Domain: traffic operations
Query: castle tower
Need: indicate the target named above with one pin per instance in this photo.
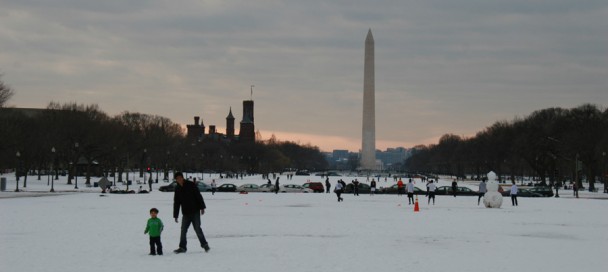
(196, 131)
(247, 131)
(230, 125)
(368, 147)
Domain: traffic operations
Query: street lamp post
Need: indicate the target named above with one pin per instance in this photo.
(114, 166)
(128, 172)
(52, 164)
(221, 164)
(18, 155)
(556, 184)
(604, 172)
(578, 187)
(185, 164)
(48, 175)
(166, 178)
(202, 166)
(76, 167)
(141, 169)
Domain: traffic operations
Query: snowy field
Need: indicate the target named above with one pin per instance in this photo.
(83, 231)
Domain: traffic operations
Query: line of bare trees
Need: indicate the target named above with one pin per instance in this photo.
(6, 92)
(554, 144)
(83, 140)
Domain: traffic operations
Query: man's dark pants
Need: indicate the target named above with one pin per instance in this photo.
(195, 220)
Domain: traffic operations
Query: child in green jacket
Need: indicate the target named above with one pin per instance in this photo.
(154, 227)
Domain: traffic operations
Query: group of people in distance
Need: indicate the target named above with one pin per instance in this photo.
(402, 188)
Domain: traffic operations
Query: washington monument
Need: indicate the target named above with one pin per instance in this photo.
(368, 149)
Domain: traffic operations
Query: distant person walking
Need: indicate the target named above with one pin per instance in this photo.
(372, 189)
(276, 186)
(482, 190)
(327, 185)
(454, 187)
(213, 187)
(431, 187)
(154, 227)
(513, 194)
(410, 192)
(343, 185)
(400, 188)
(188, 197)
(575, 189)
(338, 190)
(356, 187)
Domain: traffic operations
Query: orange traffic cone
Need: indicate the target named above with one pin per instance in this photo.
(416, 207)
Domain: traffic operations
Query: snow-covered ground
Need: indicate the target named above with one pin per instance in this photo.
(83, 231)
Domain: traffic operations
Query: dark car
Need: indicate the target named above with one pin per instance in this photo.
(302, 173)
(227, 187)
(363, 188)
(168, 188)
(462, 191)
(316, 187)
(202, 187)
(545, 191)
(394, 190)
(522, 192)
(526, 192)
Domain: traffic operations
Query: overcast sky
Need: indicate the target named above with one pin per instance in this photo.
(442, 66)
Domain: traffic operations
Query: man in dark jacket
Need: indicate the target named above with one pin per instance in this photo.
(188, 197)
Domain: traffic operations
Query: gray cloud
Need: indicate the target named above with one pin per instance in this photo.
(441, 66)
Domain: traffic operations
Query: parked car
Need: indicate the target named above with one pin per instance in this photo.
(302, 173)
(202, 187)
(328, 174)
(545, 191)
(394, 190)
(526, 192)
(462, 191)
(363, 188)
(249, 187)
(294, 188)
(168, 188)
(521, 192)
(316, 187)
(267, 188)
(226, 187)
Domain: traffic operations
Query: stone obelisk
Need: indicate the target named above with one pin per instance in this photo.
(368, 148)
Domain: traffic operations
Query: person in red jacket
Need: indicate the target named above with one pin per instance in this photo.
(400, 187)
(188, 197)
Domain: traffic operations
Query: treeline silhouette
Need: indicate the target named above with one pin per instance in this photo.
(556, 145)
(72, 137)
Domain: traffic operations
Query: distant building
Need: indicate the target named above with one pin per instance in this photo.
(338, 154)
(196, 131)
(230, 125)
(247, 131)
(341, 159)
(391, 159)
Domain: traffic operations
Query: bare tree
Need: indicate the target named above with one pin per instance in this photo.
(5, 93)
